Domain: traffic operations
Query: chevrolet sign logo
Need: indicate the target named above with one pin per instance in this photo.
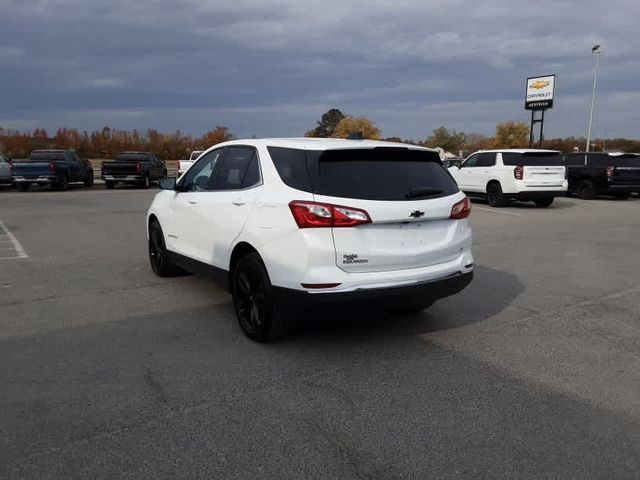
(416, 214)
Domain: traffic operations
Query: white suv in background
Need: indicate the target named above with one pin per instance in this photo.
(302, 223)
(513, 174)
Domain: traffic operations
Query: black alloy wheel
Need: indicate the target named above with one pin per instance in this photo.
(253, 301)
(587, 190)
(544, 202)
(495, 197)
(158, 255)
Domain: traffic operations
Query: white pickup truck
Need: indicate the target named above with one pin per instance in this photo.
(183, 165)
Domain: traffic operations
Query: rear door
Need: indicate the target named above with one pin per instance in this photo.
(408, 195)
(540, 169)
(227, 202)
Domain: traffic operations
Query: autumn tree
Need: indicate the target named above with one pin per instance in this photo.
(213, 137)
(448, 140)
(327, 124)
(511, 135)
(356, 125)
(477, 141)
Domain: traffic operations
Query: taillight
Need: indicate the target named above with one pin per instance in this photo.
(325, 215)
(138, 168)
(461, 210)
(52, 167)
(518, 172)
(610, 170)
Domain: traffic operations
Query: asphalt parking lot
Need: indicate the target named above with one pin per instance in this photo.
(110, 372)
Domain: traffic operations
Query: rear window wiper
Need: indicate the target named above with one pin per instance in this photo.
(423, 192)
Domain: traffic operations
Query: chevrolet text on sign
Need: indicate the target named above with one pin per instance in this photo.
(539, 93)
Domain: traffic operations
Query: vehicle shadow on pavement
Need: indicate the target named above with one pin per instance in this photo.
(558, 204)
(490, 292)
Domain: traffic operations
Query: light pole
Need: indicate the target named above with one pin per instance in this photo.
(597, 50)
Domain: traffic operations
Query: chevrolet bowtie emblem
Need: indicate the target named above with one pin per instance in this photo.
(416, 214)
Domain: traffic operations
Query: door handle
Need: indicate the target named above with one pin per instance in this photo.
(238, 201)
(192, 202)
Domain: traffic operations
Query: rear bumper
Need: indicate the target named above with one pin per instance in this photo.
(538, 194)
(620, 188)
(42, 179)
(415, 294)
(123, 178)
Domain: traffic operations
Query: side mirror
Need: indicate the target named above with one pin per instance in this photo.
(167, 184)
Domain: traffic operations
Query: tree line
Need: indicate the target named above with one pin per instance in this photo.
(106, 143)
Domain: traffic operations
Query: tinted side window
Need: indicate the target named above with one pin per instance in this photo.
(598, 160)
(292, 167)
(239, 170)
(486, 160)
(202, 173)
(575, 159)
(531, 159)
(471, 161)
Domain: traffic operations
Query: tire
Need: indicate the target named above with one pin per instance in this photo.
(586, 190)
(544, 202)
(89, 181)
(158, 254)
(61, 184)
(24, 187)
(146, 182)
(495, 197)
(254, 303)
(110, 185)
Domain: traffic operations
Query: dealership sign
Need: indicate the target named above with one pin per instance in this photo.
(539, 95)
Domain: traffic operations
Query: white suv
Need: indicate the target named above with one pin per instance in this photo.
(513, 174)
(299, 223)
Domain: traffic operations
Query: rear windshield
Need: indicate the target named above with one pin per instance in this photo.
(368, 174)
(46, 156)
(533, 159)
(133, 157)
(605, 160)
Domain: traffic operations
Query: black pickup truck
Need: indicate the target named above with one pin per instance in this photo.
(56, 168)
(600, 173)
(137, 168)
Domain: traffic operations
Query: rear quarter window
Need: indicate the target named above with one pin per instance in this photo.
(605, 160)
(291, 165)
(551, 159)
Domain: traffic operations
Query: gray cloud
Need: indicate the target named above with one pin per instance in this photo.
(272, 67)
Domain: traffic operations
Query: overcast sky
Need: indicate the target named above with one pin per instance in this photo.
(272, 67)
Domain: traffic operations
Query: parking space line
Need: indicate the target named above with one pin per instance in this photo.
(17, 250)
(492, 210)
